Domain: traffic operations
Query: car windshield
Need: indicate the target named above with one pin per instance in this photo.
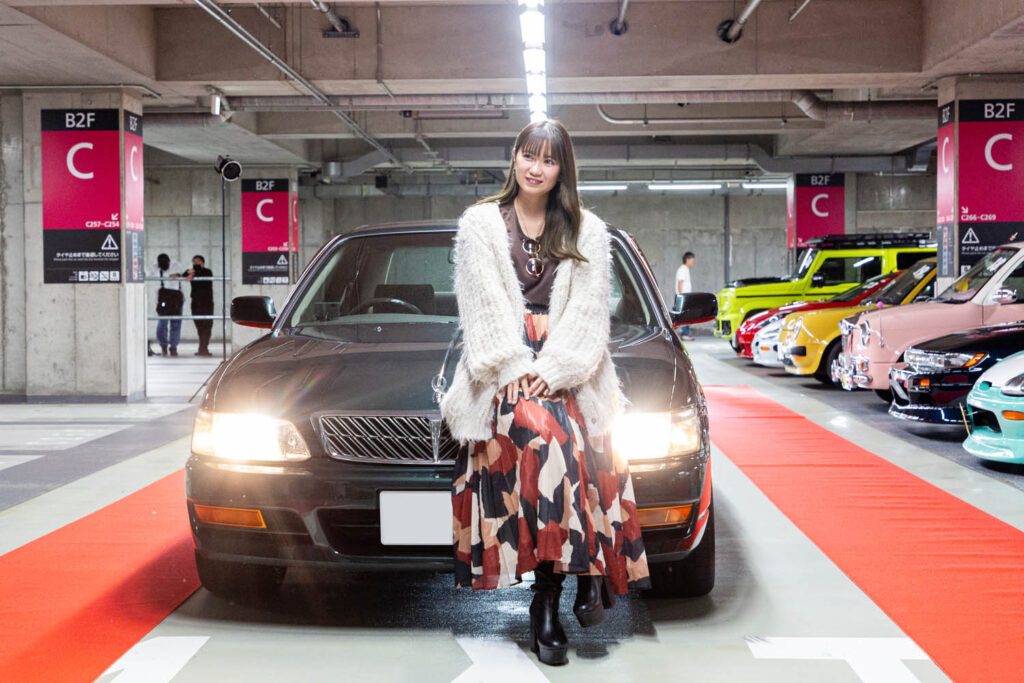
(964, 288)
(803, 263)
(856, 292)
(896, 291)
(407, 278)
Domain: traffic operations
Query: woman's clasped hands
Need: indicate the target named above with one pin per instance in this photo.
(528, 385)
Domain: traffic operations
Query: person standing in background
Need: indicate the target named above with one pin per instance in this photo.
(202, 301)
(684, 285)
(168, 331)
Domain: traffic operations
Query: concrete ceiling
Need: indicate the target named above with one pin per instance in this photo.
(425, 79)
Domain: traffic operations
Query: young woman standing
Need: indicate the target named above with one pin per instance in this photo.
(537, 487)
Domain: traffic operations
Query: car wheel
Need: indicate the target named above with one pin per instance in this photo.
(884, 394)
(824, 372)
(692, 576)
(239, 582)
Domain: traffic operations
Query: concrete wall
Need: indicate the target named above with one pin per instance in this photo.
(13, 369)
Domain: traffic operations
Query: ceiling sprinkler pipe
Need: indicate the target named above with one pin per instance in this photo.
(731, 30)
(331, 16)
(619, 25)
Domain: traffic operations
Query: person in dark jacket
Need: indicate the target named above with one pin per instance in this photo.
(202, 301)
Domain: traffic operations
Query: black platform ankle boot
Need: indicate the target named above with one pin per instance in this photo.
(593, 596)
(547, 637)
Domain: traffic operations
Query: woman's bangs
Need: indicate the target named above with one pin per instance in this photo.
(537, 139)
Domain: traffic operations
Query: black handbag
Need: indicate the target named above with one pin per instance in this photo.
(169, 301)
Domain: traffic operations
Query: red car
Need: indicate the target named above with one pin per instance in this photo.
(851, 297)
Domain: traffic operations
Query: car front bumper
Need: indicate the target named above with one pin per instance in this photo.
(938, 398)
(993, 437)
(325, 512)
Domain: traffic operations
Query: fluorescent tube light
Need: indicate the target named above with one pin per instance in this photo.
(533, 60)
(538, 103)
(536, 84)
(683, 187)
(538, 116)
(765, 186)
(532, 24)
(532, 4)
(597, 187)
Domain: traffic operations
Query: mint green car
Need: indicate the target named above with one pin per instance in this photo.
(996, 412)
(827, 267)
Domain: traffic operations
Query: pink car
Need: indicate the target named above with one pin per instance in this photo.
(991, 292)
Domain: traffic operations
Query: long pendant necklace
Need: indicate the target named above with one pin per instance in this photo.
(534, 264)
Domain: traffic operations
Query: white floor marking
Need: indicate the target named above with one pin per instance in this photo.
(157, 660)
(874, 660)
(497, 661)
(12, 460)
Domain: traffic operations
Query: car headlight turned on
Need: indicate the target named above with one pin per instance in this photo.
(247, 437)
(650, 436)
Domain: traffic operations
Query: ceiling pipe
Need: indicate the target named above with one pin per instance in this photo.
(736, 120)
(330, 15)
(229, 23)
(731, 30)
(619, 25)
(814, 107)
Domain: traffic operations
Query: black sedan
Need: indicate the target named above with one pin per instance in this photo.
(939, 373)
(321, 443)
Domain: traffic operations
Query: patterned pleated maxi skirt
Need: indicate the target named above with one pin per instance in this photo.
(541, 490)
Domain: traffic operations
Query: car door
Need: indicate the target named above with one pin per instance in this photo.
(994, 313)
(839, 273)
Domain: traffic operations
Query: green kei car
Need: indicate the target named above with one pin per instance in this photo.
(995, 409)
(826, 267)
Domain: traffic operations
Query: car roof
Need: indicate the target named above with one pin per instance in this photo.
(442, 225)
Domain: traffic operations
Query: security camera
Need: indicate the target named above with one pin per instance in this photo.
(229, 169)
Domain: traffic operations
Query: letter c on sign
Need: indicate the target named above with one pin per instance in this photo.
(942, 153)
(131, 164)
(988, 152)
(259, 210)
(814, 205)
(71, 161)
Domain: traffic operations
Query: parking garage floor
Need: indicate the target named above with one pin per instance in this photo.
(797, 596)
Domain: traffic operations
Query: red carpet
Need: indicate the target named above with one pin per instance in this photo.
(75, 600)
(950, 575)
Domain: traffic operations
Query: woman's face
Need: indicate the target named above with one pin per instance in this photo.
(536, 173)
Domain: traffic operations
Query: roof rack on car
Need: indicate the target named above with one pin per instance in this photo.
(879, 239)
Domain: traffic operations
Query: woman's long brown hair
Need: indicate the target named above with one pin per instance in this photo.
(564, 213)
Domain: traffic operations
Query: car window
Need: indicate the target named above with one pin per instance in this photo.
(1015, 282)
(627, 305)
(837, 270)
(369, 277)
(803, 263)
(967, 285)
(408, 277)
(857, 292)
(905, 259)
(896, 291)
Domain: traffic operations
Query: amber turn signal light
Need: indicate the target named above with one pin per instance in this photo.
(1013, 415)
(677, 514)
(210, 514)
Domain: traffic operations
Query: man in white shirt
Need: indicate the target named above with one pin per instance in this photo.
(684, 285)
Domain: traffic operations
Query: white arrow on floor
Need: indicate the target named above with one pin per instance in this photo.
(874, 660)
(497, 661)
(157, 660)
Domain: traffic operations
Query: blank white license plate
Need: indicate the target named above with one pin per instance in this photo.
(415, 518)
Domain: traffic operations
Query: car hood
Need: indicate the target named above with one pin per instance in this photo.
(747, 281)
(997, 340)
(295, 376)
(1002, 372)
(920, 321)
(822, 323)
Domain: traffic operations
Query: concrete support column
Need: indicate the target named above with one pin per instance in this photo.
(980, 174)
(70, 339)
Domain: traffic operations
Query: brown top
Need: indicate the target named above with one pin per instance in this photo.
(536, 275)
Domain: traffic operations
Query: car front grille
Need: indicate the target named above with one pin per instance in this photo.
(398, 439)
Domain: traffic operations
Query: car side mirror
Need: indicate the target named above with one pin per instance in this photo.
(693, 308)
(817, 280)
(253, 311)
(1005, 296)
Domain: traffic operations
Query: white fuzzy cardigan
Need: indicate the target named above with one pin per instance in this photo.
(575, 355)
